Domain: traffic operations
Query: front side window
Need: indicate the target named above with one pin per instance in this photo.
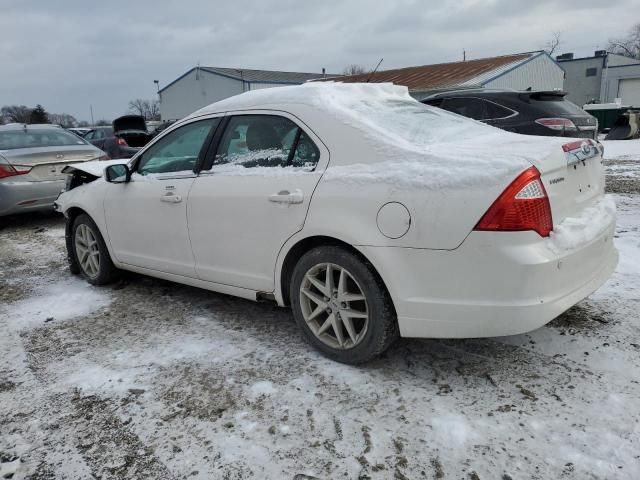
(265, 141)
(177, 151)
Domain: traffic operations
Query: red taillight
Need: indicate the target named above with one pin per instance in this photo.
(524, 205)
(556, 123)
(122, 142)
(7, 170)
(577, 145)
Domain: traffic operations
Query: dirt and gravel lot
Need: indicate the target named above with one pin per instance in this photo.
(150, 379)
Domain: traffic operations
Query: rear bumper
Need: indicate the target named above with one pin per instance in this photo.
(19, 197)
(494, 284)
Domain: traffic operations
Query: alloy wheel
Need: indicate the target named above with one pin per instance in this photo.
(334, 306)
(87, 250)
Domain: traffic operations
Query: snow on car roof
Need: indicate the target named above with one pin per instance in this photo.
(413, 145)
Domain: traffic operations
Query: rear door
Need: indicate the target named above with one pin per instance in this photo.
(253, 197)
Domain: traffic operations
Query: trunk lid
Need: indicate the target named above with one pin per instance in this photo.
(128, 123)
(572, 174)
(47, 163)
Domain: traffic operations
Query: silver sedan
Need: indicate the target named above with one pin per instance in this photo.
(31, 161)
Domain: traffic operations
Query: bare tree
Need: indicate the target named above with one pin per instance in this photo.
(154, 110)
(149, 109)
(628, 46)
(138, 106)
(16, 113)
(554, 44)
(65, 120)
(354, 69)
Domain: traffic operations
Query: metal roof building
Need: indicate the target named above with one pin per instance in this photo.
(201, 86)
(520, 71)
(601, 78)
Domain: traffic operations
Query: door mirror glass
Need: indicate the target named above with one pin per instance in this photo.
(117, 173)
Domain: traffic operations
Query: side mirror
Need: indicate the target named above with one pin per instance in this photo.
(118, 173)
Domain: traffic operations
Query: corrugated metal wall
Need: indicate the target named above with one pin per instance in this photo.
(260, 85)
(194, 91)
(613, 84)
(540, 73)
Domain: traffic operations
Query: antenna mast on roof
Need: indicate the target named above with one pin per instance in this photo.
(374, 71)
(464, 55)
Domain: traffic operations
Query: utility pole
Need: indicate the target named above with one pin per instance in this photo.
(91, 108)
(464, 55)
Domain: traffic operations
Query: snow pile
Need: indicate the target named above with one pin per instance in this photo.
(417, 174)
(574, 232)
(234, 169)
(414, 144)
(621, 149)
(262, 388)
(67, 299)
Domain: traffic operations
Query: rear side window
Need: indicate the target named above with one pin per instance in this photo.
(495, 111)
(265, 141)
(467, 107)
(436, 102)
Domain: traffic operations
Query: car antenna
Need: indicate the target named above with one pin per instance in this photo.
(374, 71)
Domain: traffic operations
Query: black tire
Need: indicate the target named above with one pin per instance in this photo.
(107, 272)
(382, 328)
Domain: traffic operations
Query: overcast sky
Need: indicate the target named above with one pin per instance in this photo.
(70, 54)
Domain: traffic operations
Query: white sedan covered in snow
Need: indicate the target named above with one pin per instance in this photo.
(371, 214)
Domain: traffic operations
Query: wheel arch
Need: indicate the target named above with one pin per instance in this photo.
(302, 246)
(74, 212)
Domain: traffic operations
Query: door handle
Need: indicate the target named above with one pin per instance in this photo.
(285, 196)
(171, 198)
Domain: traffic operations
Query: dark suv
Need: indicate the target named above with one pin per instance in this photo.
(531, 113)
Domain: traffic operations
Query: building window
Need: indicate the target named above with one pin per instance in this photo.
(592, 72)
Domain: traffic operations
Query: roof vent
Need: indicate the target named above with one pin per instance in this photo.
(600, 53)
(565, 56)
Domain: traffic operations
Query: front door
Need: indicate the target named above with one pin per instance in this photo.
(147, 217)
(244, 207)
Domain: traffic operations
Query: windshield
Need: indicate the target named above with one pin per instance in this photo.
(37, 138)
(556, 105)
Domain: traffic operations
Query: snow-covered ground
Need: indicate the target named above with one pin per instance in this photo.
(149, 379)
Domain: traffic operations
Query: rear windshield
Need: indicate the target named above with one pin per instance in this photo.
(35, 138)
(556, 105)
(413, 124)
